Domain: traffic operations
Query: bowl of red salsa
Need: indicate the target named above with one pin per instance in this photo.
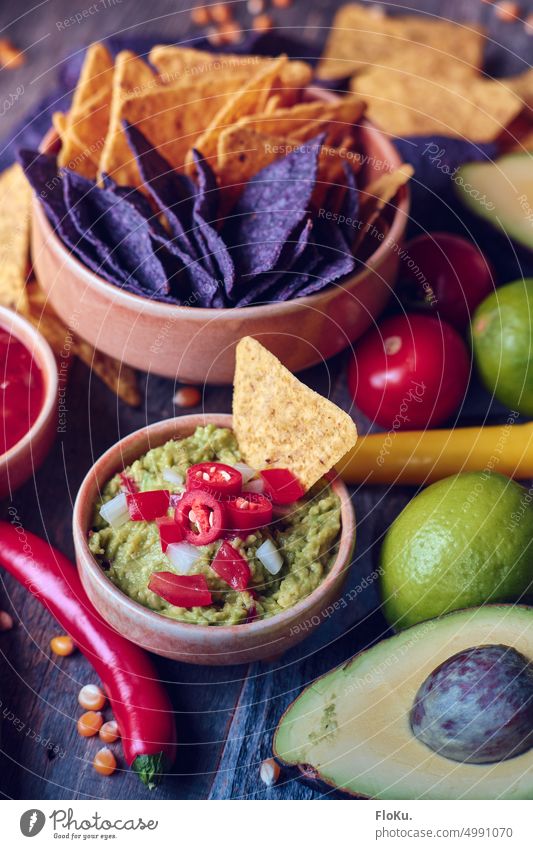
(28, 396)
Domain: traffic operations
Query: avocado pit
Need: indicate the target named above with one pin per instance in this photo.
(477, 706)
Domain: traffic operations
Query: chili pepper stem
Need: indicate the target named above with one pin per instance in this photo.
(150, 768)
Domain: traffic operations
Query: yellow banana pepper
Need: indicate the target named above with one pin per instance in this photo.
(418, 457)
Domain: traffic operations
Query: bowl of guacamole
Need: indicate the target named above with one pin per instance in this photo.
(185, 549)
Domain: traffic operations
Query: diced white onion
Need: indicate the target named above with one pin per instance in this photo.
(257, 485)
(182, 555)
(115, 511)
(270, 557)
(170, 476)
(246, 471)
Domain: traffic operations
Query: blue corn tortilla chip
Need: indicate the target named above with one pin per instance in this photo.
(204, 213)
(120, 227)
(271, 205)
(337, 260)
(201, 288)
(173, 193)
(265, 287)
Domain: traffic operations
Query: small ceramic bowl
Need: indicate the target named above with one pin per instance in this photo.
(23, 459)
(208, 645)
(197, 345)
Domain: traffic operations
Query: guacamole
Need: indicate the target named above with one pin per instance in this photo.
(306, 536)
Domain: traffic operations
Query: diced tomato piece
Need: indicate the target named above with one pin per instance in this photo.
(217, 478)
(169, 531)
(201, 517)
(181, 590)
(230, 565)
(148, 506)
(282, 486)
(248, 511)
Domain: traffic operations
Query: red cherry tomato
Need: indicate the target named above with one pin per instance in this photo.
(181, 590)
(282, 486)
(409, 372)
(230, 565)
(446, 274)
(148, 506)
(248, 511)
(217, 478)
(201, 517)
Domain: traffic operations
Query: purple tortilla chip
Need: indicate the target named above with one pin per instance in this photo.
(172, 192)
(190, 283)
(117, 225)
(204, 213)
(338, 260)
(271, 205)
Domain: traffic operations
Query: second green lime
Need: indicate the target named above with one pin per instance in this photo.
(502, 339)
(463, 541)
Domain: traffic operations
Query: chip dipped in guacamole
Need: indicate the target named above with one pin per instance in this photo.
(209, 531)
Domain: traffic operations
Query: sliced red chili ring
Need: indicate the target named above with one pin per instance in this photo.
(181, 590)
(248, 511)
(148, 506)
(217, 478)
(169, 531)
(230, 565)
(202, 517)
(282, 486)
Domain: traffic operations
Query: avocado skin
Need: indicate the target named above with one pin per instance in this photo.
(502, 340)
(477, 706)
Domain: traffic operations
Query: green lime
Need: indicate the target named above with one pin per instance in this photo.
(461, 542)
(502, 340)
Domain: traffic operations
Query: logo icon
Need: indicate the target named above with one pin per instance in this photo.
(32, 822)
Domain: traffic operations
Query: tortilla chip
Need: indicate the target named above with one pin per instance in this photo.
(521, 85)
(242, 152)
(430, 47)
(248, 100)
(15, 214)
(306, 120)
(88, 119)
(377, 195)
(132, 78)
(174, 63)
(280, 422)
(405, 105)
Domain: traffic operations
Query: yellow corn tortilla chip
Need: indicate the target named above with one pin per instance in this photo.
(522, 86)
(306, 120)
(405, 105)
(174, 63)
(15, 213)
(87, 122)
(132, 78)
(248, 100)
(121, 379)
(428, 46)
(280, 422)
(377, 195)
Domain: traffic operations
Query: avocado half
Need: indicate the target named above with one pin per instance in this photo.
(351, 728)
(501, 192)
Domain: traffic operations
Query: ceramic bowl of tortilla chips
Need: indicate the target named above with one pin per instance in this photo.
(212, 645)
(196, 344)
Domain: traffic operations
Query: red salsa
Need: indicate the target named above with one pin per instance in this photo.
(21, 390)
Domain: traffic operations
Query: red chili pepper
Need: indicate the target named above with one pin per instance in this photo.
(230, 565)
(217, 478)
(181, 590)
(282, 486)
(127, 484)
(139, 701)
(169, 531)
(148, 506)
(202, 518)
(248, 511)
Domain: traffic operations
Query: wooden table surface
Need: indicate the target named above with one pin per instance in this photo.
(225, 716)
